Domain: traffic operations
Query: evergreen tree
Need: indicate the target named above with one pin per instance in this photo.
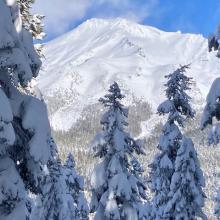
(18, 64)
(117, 186)
(75, 184)
(213, 41)
(61, 191)
(31, 22)
(28, 160)
(13, 198)
(217, 205)
(186, 197)
(177, 107)
(57, 201)
(212, 111)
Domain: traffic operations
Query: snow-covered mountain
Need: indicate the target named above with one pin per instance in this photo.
(80, 65)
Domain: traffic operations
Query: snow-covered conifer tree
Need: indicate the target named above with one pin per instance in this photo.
(18, 64)
(217, 205)
(57, 200)
(31, 22)
(14, 202)
(26, 146)
(75, 184)
(186, 197)
(117, 186)
(177, 107)
(213, 43)
(212, 111)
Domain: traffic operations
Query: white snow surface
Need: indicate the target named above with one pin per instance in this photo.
(5, 110)
(80, 65)
(35, 120)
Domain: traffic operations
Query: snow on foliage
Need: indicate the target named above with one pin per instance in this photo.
(7, 135)
(31, 22)
(186, 197)
(57, 201)
(39, 127)
(16, 46)
(29, 165)
(118, 190)
(213, 42)
(75, 184)
(177, 107)
(13, 198)
(211, 111)
(217, 205)
(62, 195)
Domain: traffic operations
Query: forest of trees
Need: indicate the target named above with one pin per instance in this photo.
(35, 184)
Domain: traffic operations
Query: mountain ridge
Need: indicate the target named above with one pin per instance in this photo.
(80, 65)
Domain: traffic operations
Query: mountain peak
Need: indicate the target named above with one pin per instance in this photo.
(120, 24)
(80, 65)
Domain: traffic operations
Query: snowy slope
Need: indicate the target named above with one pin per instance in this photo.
(81, 64)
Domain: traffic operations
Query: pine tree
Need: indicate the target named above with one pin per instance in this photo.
(212, 111)
(18, 64)
(117, 186)
(186, 197)
(75, 184)
(31, 22)
(14, 202)
(57, 201)
(213, 42)
(217, 205)
(27, 150)
(177, 107)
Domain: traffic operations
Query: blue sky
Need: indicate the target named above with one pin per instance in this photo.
(191, 16)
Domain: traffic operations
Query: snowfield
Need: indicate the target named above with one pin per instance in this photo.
(80, 65)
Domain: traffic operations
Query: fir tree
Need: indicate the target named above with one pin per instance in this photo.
(177, 107)
(211, 112)
(57, 201)
(14, 202)
(213, 42)
(117, 186)
(75, 184)
(186, 197)
(18, 64)
(31, 22)
(27, 150)
(217, 205)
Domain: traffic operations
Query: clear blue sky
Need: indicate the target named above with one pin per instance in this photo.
(193, 16)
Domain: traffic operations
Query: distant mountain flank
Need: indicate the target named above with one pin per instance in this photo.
(81, 64)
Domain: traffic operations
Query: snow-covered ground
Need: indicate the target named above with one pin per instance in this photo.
(80, 65)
